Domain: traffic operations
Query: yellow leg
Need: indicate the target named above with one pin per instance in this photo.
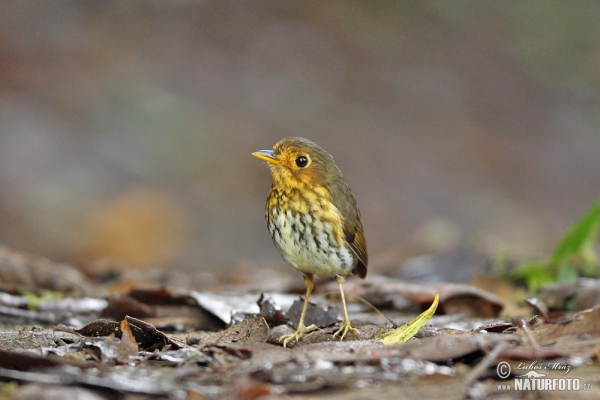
(302, 329)
(346, 327)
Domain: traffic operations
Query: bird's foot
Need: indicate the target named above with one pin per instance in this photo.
(346, 327)
(301, 330)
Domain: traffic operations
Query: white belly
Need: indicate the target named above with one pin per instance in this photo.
(308, 250)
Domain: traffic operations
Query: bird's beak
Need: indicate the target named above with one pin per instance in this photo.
(266, 155)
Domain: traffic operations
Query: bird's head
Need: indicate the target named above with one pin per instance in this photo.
(295, 161)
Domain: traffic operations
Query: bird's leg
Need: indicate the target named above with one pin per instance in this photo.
(302, 329)
(346, 327)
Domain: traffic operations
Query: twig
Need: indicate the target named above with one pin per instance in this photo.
(476, 372)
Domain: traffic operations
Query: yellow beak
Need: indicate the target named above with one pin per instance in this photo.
(266, 155)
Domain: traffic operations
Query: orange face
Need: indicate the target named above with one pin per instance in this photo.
(292, 164)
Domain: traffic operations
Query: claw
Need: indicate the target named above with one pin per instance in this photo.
(300, 332)
(346, 327)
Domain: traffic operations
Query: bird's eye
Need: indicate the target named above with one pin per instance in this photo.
(301, 161)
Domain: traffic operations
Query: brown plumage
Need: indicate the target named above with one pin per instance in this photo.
(313, 219)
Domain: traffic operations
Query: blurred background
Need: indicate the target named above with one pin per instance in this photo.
(127, 127)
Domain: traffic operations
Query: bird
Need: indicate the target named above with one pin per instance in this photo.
(314, 221)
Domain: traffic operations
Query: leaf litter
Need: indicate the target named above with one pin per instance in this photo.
(159, 342)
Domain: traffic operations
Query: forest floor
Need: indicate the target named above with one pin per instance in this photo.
(63, 336)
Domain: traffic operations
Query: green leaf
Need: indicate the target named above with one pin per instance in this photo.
(580, 239)
(535, 275)
(33, 300)
(574, 255)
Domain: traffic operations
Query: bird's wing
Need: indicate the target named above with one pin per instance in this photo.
(344, 201)
(359, 247)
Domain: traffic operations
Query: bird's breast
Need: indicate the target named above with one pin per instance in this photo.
(307, 230)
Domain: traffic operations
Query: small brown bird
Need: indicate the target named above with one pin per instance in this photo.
(313, 219)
